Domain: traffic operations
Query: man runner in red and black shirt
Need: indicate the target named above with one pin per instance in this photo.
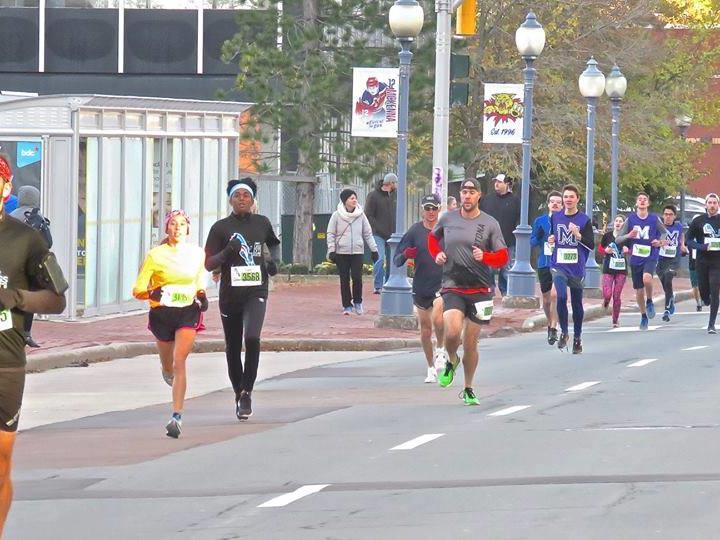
(473, 247)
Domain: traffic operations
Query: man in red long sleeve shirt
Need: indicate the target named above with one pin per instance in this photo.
(473, 247)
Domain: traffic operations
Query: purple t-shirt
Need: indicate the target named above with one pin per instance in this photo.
(569, 255)
(641, 249)
(672, 250)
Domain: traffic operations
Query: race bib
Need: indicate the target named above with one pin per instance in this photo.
(245, 276)
(668, 251)
(567, 255)
(548, 249)
(5, 320)
(641, 250)
(484, 310)
(617, 263)
(713, 244)
(177, 295)
(694, 253)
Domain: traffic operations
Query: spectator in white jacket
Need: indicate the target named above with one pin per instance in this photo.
(347, 233)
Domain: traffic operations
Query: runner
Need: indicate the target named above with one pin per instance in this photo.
(692, 258)
(669, 257)
(540, 233)
(235, 246)
(172, 278)
(614, 269)
(473, 247)
(25, 263)
(704, 236)
(426, 284)
(642, 234)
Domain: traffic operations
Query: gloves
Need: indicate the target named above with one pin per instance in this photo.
(9, 298)
(271, 268)
(410, 253)
(155, 294)
(331, 257)
(375, 256)
(202, 301)
(233, 246)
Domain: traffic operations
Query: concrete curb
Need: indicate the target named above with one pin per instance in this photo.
(595, 312)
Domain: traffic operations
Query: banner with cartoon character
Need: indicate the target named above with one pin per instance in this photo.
(503, 114)
(375, 102)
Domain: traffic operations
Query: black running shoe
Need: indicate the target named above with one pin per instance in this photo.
(698, 308)
(30, 342)
(563, 341)
(173, 428)
(244, 405)
(552, 336)
(577, 345)
(666, 316)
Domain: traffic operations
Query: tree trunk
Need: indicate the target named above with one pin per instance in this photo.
(303, 233)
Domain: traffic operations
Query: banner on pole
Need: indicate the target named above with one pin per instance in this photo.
(503, 114)
(375, 102)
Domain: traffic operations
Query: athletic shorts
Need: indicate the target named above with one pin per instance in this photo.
(164, 321)
(12, 384)
(693, 279)
(637, 271)
(545, 279)
(425, 302)
(465, 303)
(667, 264)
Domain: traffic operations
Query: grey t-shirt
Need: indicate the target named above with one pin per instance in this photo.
(459, 235)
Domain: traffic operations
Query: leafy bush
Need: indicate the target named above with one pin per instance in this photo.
(297, 269)
(325, 268)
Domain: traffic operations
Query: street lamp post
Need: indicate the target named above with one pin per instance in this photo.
(615, 86)
(683, 123)
(592, 86)
(530, 41)
(406, 21)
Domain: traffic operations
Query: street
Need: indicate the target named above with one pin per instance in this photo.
(619, 442)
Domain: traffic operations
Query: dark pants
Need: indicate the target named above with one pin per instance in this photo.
(562, 284)
(28, 323)
(666, 273)
(709, 286)
(350, 266)
(247, 322)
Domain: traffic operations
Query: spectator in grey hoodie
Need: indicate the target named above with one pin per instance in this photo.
(380, 208)
(347, 233)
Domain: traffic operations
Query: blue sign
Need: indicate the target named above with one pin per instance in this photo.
(28, 153)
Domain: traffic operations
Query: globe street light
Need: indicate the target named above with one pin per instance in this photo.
(615, 86)
(683, 122)
(592, 86)
(406, 21)
(530, 41)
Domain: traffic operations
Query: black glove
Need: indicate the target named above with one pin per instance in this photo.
(374, 256)
(9, 298)
(271, 268)
(331, 257)
(155, 294)
(233, 246)
(202, 301)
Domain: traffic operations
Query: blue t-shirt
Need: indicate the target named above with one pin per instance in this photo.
(540, 233)
(570, 255)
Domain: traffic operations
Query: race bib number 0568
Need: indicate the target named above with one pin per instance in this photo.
(5, 320)
(246, 276)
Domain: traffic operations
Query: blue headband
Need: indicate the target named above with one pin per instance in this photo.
(241, 186)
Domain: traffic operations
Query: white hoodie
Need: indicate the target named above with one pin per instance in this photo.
(346, 232)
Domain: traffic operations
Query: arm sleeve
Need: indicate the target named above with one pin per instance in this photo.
(41, 302)
(367, 234)
(214, 256)
(434, 246)
(663, 229)
(370, 209)
(605, 240)
(692, 235)
(496, 259)
(588, 236)
(622, 236)
(537, 234)
(201, 278)
(405, 242)
(275, 253)
(331, 233)
(140, 289)
(271, 238)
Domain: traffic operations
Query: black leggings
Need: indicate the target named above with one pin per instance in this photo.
(709, 285)
(350, 265)
(666, 276)
(246, 320)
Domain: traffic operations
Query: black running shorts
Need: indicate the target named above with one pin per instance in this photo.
(12, 384)
(425, 302)
(465, 303)
(637, 271)
(545, 279)
(165, 321)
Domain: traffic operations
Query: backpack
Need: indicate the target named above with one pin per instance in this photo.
(35, 220)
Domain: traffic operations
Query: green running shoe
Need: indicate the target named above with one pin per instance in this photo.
(446, 376)
(468, 396)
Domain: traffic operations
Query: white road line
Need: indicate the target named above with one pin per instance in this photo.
(631, 329)
(696, 348)
(509, 410)
(643, 363)
(417, 441)
(299, 493)
(582, 386)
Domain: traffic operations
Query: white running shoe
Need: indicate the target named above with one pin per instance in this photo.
(440, 359)
(431, 375)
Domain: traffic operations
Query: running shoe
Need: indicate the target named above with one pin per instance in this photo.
(698, 308)
(552, 336)
(577, 345)
(431, 375)
(711, 329)
(359, 309)
(439, 359)
(650, 307)
(244, 405)
(562, 342)
(644, 322)
(671, 307)
(606, 303)
(168, 378)
(30, 342)
(377, 291)
(445, 378)
(347, 311)
(173, 428)
(666, 316)
(616, 324)
(468, 396)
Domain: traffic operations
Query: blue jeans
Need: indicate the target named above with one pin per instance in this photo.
(380, 271)
(502, 273)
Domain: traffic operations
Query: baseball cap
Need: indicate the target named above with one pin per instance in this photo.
(430, 200)
(500, 177)
(471, 183)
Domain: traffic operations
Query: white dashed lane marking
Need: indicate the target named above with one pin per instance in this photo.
(643, 363)
(417, 441)
(299, 493)
(509, 410)
(696, 348)
(582, 386)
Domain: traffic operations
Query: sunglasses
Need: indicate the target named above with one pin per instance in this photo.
(430, 208)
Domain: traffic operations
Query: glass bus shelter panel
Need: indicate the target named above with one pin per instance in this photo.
(132, 234)
(109, 220)
(210, 186)
(192, 186)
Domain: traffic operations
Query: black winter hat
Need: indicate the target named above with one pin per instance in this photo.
(345, 194)
(247, 181)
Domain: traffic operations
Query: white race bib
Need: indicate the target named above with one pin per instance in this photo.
(548, 248)
(177, 295)
(617, 263)
(694, 253)
(5, 320)
(567, 255)
(668, 251)
(641, 250)
(484, 310)
(713, 244)
(245, 276)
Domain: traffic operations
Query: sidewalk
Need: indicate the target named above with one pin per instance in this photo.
(300, 316)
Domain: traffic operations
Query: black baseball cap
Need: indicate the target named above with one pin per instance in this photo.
(430, 200)
(471, 183)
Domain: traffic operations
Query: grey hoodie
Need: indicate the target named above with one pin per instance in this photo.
(28, 198)
(347, 231)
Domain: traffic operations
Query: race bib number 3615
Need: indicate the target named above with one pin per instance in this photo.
(246, 276)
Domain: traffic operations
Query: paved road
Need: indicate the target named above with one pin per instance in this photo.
(621, 442)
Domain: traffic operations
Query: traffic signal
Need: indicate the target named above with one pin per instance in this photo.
(459, 69)
(466, 22)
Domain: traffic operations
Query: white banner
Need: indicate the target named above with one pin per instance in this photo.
(503, 114)
(375, 102)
